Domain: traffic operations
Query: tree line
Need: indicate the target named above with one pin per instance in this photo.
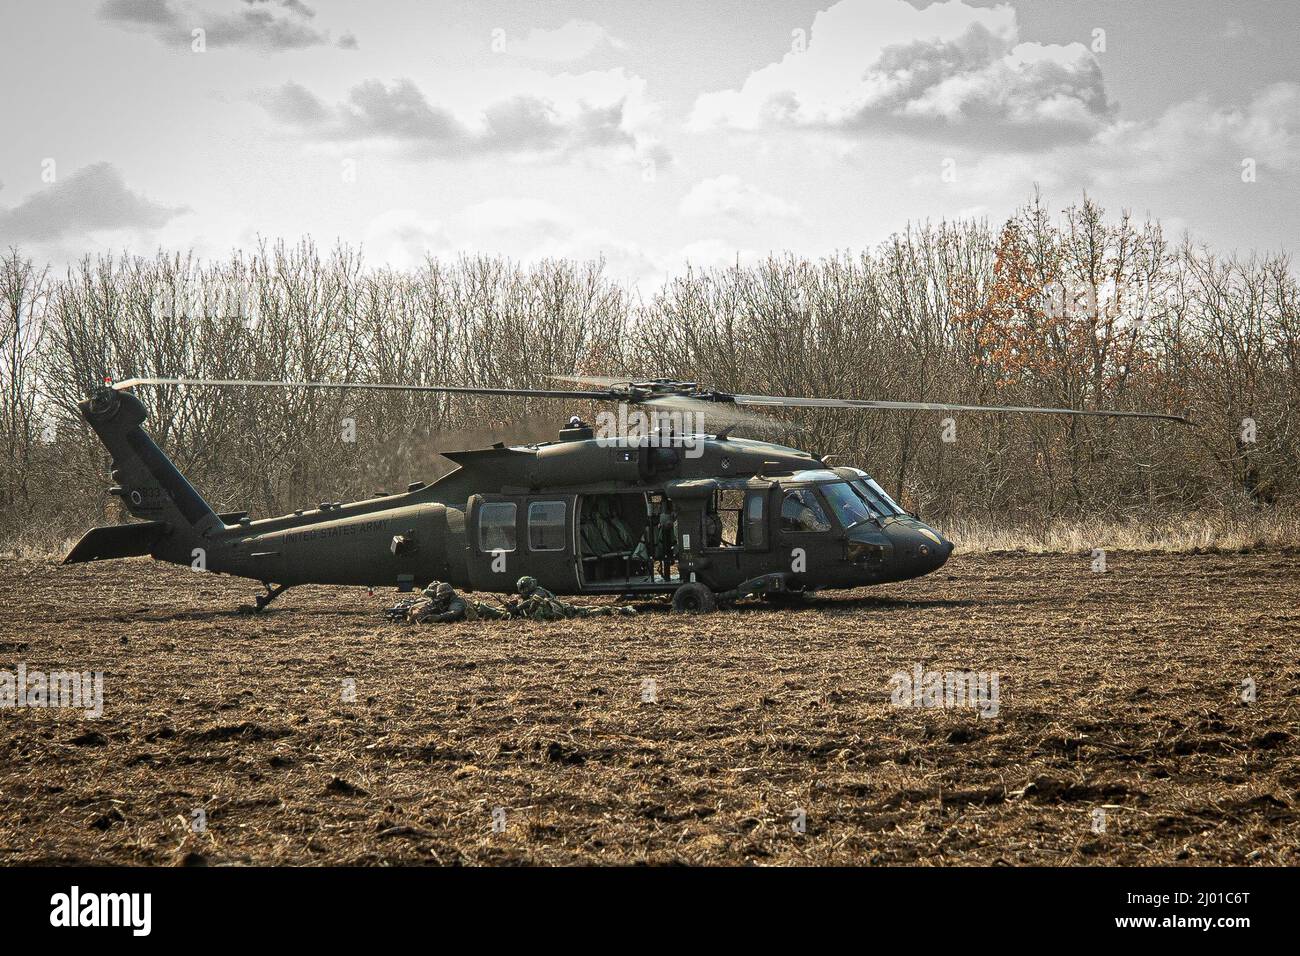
(1077, 309)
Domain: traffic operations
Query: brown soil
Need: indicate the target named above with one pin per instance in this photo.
(1119, 691)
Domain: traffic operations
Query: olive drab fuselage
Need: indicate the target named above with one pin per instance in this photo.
(580, 514)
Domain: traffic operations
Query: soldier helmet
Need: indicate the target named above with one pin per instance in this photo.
(526, 584)
(432, 589)
(443, 589)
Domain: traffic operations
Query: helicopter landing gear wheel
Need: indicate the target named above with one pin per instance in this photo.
(694, 598)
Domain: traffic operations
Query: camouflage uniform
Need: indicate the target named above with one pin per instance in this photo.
(538, 604)
(481, 611)
(440, 604)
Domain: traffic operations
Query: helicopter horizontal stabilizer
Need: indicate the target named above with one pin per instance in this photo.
(477, 454)
(117, 541)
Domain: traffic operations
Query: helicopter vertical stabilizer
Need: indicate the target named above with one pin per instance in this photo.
(149, 485)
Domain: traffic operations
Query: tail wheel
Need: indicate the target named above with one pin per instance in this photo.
(694, 598)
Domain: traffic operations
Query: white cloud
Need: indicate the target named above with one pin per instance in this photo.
(946, 67)
(1194, 133)
(522, 228)
(522, 216)
(541, 116)
(402, 239)
(251, 23)
(572, 41)
(1194, 141)
(528, 230)
(93, 199)
(728, 197)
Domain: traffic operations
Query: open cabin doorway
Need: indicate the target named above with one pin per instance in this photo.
(627, 540)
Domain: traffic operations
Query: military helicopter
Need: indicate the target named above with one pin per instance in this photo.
(616, 509)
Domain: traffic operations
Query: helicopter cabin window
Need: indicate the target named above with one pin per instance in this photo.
(801, 511)
(755, 527)
(722, 524)
(496, 526)
(546, 526)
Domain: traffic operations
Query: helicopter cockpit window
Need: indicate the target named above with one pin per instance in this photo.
(496, 526)
(801, 511)
(875, 496)
(850, 509)
(898, 509)
(546, 526)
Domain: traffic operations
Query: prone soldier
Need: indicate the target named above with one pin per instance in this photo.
(539, 604)
(440, 604)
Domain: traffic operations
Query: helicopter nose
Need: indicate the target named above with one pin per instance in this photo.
(919, 548)
(940, 549)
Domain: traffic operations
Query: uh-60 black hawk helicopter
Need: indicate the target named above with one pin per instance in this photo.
(705, 517)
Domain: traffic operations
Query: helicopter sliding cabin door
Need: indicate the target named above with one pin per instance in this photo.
(515, 535)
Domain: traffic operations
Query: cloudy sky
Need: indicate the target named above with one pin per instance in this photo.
(652, 133)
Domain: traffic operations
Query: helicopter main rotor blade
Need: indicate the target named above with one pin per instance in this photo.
(724, 412)
(666, 394)
(708, 409)
(605, 380)
(376, 386)
(785, 401)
